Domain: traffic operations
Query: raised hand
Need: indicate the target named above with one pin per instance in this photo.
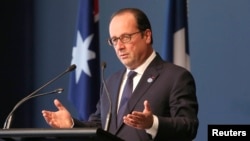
(58, 119)
(140, 120)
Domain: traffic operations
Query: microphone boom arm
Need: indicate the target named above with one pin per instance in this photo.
(9, 117)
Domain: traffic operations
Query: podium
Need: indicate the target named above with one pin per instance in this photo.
(55, 134)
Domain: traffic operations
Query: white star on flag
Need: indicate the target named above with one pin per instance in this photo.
(81, 55)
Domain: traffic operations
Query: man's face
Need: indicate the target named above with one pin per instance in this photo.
(134, 52)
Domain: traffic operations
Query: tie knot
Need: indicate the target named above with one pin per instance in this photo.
(131, 74)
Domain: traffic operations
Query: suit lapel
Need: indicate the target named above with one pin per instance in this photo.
(148, 78)
(114, 99)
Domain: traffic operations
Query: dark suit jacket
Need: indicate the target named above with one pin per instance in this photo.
(171, 95)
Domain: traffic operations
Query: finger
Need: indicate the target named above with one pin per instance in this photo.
(59, 105)
(134, 118)
(137, 117)
(47, 118)
(135, 113)
(132, 123)
(45, 113)
(52, 124)
(129, 121)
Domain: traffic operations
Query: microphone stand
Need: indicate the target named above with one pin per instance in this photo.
(9, 117)
(8, 120)
(109, 100)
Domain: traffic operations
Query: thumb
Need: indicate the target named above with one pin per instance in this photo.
(59, 105)
(147, 107)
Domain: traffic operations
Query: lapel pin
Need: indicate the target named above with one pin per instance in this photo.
(150, 80)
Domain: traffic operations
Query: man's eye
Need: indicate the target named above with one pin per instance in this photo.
(114, 39)
(125, 36)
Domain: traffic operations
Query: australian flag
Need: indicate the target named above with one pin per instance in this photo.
(85, 80)
(176, 46)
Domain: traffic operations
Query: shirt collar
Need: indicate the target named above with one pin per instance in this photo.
(140, 70)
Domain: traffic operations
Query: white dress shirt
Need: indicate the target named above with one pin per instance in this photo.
(140, 70)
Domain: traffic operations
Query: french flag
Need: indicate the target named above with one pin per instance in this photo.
(176, 46)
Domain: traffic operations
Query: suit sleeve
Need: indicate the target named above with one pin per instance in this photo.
(93, 121)
(183, 122)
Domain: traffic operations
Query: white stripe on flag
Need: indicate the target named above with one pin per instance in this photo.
(181, 57)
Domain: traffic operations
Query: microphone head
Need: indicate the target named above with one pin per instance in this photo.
(104, 65)
(59, 90)
(71, 68)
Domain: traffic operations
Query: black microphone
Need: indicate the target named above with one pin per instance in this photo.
(69, 69)
(108, 95)
(8, 120)
(57, 91)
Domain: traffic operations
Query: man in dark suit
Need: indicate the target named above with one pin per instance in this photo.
(163, 105)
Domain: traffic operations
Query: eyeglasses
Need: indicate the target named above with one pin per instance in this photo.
(125, 38)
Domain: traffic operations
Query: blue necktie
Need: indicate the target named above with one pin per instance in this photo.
(127, 92)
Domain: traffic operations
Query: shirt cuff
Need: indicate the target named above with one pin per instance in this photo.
(154, 128)
(72, 123)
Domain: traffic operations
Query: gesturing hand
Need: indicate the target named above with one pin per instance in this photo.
(140, 120)
(60, 118)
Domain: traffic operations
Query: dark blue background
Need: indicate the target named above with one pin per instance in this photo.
(219, 40)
